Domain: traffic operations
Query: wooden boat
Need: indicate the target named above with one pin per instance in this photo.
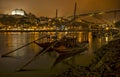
(44, 45)
(66, 50)
(65, 55)
(47, 44)
(64, 45)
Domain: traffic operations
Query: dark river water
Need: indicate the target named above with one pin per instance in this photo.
(42, 66)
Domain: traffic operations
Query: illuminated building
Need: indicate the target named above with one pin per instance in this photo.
(18, 12)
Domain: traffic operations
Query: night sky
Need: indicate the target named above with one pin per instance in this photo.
(65, 7)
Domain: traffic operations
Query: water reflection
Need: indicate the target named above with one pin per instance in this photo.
(13, 40)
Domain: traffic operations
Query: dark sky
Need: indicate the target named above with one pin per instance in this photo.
(65, 7)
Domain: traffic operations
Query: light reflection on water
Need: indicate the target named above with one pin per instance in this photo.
(12, 40)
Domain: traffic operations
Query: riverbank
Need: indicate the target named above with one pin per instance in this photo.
(105, 64)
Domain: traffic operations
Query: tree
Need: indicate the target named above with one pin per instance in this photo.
(117, 24)
(8, 20)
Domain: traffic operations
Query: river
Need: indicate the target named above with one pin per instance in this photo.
(42, 66)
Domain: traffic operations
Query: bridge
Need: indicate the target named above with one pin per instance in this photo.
(87, 30)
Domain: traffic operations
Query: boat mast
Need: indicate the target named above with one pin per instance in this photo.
(56, 13)
(75, 10)
(56, 33)
(74, 42)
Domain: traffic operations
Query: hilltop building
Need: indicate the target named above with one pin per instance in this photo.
(20, 12)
